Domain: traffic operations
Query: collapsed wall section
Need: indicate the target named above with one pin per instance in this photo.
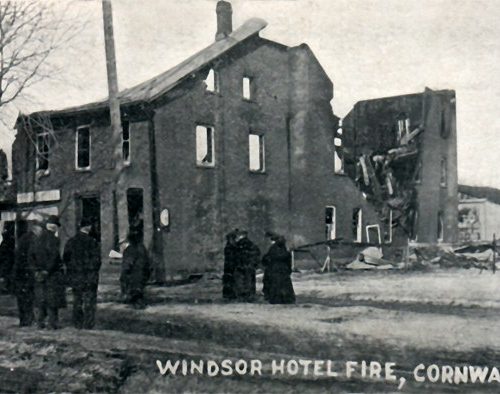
(401, 152)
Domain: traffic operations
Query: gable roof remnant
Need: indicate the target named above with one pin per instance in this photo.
(166, 81)
(489, 193)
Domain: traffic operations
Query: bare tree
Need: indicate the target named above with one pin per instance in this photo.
(30, 32)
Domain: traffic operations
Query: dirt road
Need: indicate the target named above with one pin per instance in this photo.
(444, 318)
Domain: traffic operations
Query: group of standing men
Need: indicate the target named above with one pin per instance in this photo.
(241, 260)
(40, 275)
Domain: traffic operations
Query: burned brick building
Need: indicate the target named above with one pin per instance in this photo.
(238, 135)
(402, 153)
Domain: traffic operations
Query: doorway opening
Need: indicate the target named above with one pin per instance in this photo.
(90, 208)
(135, 209)
(373, 234)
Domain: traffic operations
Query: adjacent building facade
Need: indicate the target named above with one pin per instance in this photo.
(402, 153)
(478, 214)
(237, 136)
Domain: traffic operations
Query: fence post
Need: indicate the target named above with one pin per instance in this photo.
(494, 244)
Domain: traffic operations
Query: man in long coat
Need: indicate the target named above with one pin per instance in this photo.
(229, 264)
(246, 258)
(7, 257)
(22, 275)
(277, 262)
(135, 270)
(82, 258)
(46, 264)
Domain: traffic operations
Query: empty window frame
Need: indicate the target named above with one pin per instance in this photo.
(82, 150)
(418, 172)
(373, 234)
(212, 81)
(388, 228)
(256, 152)
(205, 153)
(414, 227)
(444, 171)
(126, 141)
(42, 149)
(440, 227)
(338, 158)
(247, 86)
(403, 127)
(445, 129)
(330, 222)
(357, 224)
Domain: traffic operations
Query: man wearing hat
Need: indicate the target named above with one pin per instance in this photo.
(83, 260)
(135, 270)
(246, 260)
(22, 275)
(228, 292)
(7, 258)
(46, 264)
(277, 262)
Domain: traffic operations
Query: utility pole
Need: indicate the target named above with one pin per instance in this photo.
(115, 116)
(114, 108)
(114, 104)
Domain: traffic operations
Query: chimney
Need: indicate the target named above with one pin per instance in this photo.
(224, 19)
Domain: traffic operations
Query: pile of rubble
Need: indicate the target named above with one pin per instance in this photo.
(425, 257)
(387, 177)
(481, 256)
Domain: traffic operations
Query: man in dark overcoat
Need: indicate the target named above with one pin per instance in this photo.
(135, 270)
(229, 264)
(47, 267)
(7, 257)
(277, 262)
(22, 275)
(246, 257)
(82, 258)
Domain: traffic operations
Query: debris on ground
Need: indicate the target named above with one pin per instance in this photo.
(481, 256)
(369, 258)
(429, 256)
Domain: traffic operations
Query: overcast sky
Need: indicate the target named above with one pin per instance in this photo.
(368, 48)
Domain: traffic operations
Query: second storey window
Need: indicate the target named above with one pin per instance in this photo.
(444, 171)
(445, 129)
(42, 150)
(82, 159)
(205, 146)
(126, 141)
(256, 152)
(403, 128)
(338, 160)
(212, 81)
(247, 88)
